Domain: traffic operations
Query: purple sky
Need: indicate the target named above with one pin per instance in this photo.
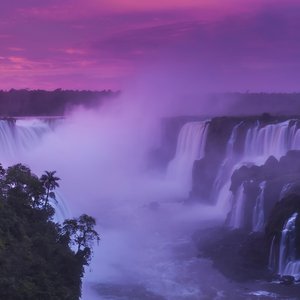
(101, 44)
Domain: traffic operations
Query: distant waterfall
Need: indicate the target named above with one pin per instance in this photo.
(237, 214)
(287, 263)
(190, 147)
(21, 135)
(18, 136)
(258, 218)
(262, 142)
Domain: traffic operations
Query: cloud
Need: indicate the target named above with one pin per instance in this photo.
(98, 37)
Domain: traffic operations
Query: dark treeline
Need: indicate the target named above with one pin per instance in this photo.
(258, 103)
(25, 102)
(15, 103)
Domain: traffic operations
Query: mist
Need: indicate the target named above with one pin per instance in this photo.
(102, 157)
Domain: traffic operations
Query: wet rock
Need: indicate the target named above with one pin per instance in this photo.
(287, 280)
(235, 253)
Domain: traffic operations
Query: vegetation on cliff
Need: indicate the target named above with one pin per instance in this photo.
(39, 259)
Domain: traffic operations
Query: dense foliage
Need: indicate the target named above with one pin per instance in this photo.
(37, 259)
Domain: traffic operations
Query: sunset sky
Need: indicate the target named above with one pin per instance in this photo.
(103, 44)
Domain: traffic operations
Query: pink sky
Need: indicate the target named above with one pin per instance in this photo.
(103, 44)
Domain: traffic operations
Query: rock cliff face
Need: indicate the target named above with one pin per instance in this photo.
(279, 178)
(171, 127)
(265, 238)
(251, 164)
(205, 170)
(251, 138)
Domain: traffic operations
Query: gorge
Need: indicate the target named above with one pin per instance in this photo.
(241, 172)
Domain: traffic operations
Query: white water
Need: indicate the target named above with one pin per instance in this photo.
(190, 147)
(272, 256)
(222, 183)
(21, 136)
(145, 251)
(260, 143)
(285, 190)
(237, 213)
(288, 265)
(258, 219)
(17, 137)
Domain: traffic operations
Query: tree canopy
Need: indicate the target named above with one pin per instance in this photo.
(38, 259)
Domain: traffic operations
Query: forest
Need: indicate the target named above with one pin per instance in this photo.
(16, 103)
(39, 258)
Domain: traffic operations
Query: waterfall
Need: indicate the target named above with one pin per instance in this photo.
(287, 263)
(7, 141)
(272, 256)
(262, 142)
(225, 171)
(190, 147)
(20, 135)
(237, 214)
(286, 190)
(258, 217)
(62, 211)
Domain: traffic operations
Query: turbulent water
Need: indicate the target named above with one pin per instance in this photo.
(146, 250)
(237, 212)
(260, 143)
(190, 147)
(288, 264)
(258, 219)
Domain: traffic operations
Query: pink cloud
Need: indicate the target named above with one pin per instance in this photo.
(92, 43)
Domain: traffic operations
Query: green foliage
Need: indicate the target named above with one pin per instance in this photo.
(50, 183)
(36, 261)
(80, 233)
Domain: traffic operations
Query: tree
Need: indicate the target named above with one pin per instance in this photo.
(36, 259)
(50, 182)
(17, 182)
(81, 234)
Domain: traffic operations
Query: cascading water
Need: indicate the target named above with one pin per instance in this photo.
(190, 147)
(258, 219)
(237, 213)
(286, 189)
(287, 262)
(18, 136)
(62, 211)
(273, 139)
(272, 256)
(260, 143)
(221, 184)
